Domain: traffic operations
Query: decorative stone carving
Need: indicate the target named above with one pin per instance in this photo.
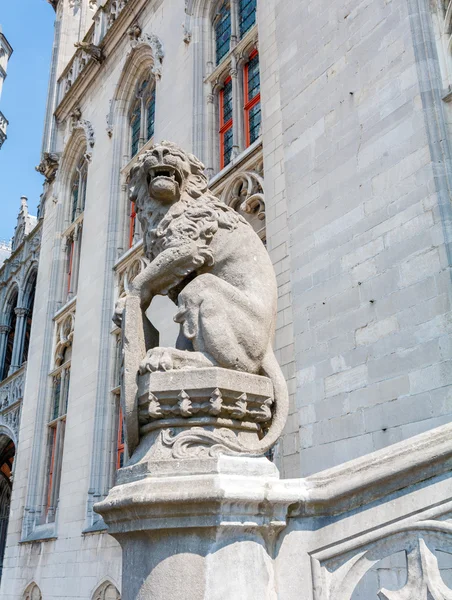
(76, 122)
(245, 194)
(340, 574)
(32, 592)
(64, 335)
(424, 578)
(12, 391)
(212, 398)
(137, 38)
(92, 50)
(49, 165)
(12, 420)
(205, 256)
(106, 591)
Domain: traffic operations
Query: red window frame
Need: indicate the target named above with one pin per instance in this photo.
(249, 102)
(224, 127)
(120, 442)
(133, 216)
(51, 469)
(69, 271)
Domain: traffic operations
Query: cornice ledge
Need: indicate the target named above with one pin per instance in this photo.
(366, 479)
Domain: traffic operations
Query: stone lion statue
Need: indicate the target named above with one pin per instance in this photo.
(212, 264)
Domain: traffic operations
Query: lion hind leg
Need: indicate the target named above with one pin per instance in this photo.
(223, 323)
(168, 359)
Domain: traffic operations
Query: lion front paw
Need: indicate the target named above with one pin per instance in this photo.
(157, 359)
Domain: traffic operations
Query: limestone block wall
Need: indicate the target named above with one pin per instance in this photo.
(370, 280)
(288, 450)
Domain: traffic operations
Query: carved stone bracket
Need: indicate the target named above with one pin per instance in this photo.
(76, 122)
(64, 335)
(49, 165)
(137, 38)
(95, 52)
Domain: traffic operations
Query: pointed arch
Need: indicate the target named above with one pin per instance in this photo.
(106, 591)
(32, 592)
(8, 329)
(76, 148)
(28, 300)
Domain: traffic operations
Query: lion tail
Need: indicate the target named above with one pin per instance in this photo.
(272, 370)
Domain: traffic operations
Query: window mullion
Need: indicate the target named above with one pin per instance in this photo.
(142, 122)
(235, 33)
(236, 109)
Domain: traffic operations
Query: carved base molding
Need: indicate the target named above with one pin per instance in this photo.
(209, 527)
(196, 413)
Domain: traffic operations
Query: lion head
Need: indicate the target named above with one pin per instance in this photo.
(164, 174)
(173, 201)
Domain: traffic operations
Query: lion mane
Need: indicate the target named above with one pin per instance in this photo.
(196, 216)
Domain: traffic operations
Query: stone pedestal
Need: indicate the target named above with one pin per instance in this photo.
(193, 522)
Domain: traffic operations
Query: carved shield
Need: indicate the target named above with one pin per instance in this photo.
(138, 336)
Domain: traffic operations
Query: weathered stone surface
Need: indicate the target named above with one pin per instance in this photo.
(208, 259)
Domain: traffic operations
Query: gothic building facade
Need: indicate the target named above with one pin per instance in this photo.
(5, 54)
(326, 125)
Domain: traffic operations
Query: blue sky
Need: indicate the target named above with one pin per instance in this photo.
(28, 26)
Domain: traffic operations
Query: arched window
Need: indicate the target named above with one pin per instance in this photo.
(6, 465)
(142, 115)
(30, 291)
(9, 334)
(72, 237)
(238, 106)
(59, 396)
(32, 592)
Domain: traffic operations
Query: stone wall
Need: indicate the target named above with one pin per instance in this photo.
(369, 269)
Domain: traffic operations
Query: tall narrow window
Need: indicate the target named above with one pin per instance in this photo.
(142, 116)
(240, 95)
(56, 429)
(136, 128)
(223, 32)
(226, 131)
(120, 442)
(247, 15)
(70, 264)
(10, 334)
(151, 116)
(31, 290)
(252, 99)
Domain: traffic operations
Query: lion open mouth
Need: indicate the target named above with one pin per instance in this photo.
(165, 172)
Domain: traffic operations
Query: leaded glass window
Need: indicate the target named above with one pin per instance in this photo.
(226, 124)
(151, 116)
(223, 32)
(136, 128)
(252, 99)
(142, 119)
(247, 15)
